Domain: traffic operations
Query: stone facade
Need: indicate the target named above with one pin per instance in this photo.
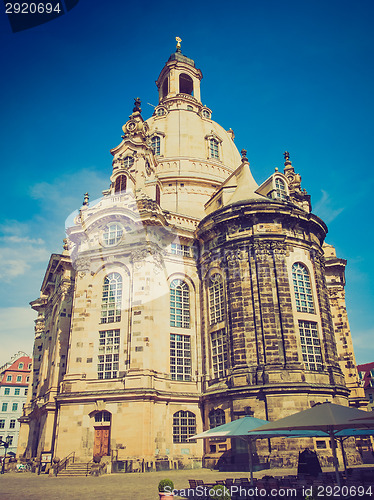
(186, 297)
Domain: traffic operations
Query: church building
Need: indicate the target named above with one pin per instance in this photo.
(186, 297)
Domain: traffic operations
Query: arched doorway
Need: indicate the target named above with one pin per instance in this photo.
(102, 421)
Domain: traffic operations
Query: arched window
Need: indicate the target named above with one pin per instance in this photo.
(165, 87)
(302, 288)
(156, 144)
(160, 112)
(184, 426)
(111, 303)
(128, 161)
(216, 299)
(216, 418)
(206, 113)
(120, 185)
(179, 304)
(112, 234)
(213, 148)
(280, 189)
(219, 353)
(185, 84)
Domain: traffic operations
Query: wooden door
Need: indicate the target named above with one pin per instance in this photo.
(101, 442)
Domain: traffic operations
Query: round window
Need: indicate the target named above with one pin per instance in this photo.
(112, 234)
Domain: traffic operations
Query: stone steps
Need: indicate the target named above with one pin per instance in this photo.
(76, 469)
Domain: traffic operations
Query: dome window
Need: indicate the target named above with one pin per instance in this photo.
(206, 113)
(160, 112)
(156, 144)
(185, 84)
(213, 148)
(189, 107)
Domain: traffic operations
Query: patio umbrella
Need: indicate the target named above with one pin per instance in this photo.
(326, 417)
(235, 429)
(343, 435)
(366, 420)
(242, 427)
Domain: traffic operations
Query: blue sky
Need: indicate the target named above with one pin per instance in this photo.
(284, 75)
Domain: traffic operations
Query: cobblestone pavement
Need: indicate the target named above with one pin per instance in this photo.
(28, 486)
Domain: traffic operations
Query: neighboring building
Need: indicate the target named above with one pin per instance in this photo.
(335, 280)
(14, 381)
(186, 297)
(366, 376)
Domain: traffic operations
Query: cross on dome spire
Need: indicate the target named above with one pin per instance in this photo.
(178, 44)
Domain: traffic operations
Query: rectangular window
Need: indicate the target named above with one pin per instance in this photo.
(108, 359)
(9, 378)
(16, 391)
(10, 440)
(4, 407)
(180, 357)
(2, 423)
(26, 392)
(19, 378)
(12, 424)
(14, 406)
(7, 391)
(213, 148)
(183, 250)
(321, 445)
(219, 353)
(310, 345)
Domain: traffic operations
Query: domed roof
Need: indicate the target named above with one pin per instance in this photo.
(187, 134)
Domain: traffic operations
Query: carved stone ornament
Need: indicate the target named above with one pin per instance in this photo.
(39, 325)
(139, 257)
(82, 265)
(233, 228)
(145, 128)
(66, 287)
(268, 247)
(233, 257)
(131, 126)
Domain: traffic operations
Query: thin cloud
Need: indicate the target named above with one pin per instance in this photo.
(325, 209)
(361, 340)
(18, 254)
(16, 331)
(66, 193)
